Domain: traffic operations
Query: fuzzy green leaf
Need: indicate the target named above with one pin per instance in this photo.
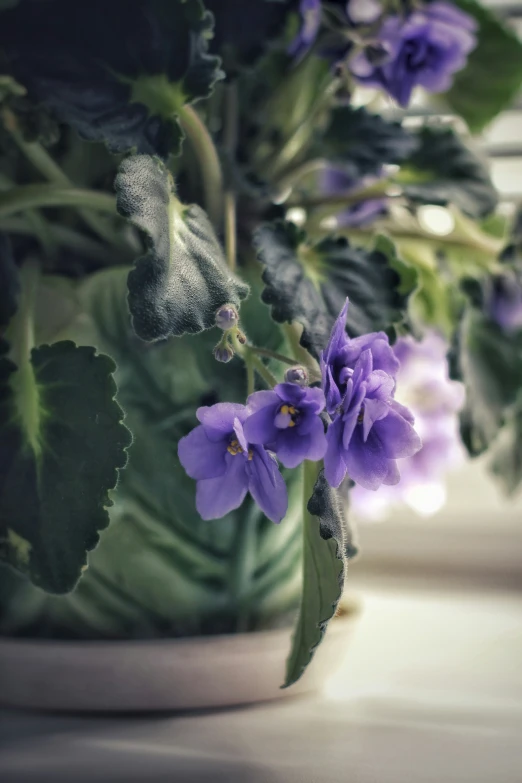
(309, 283)
(490, 364)
(493, 75)
(62, 441)
(183, 279)
(443, 170)
(363, 141)
(118, 72)
(328, 545)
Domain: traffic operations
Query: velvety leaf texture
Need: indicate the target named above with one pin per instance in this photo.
(443, 170)
(328, 545)
(9, 282)
(493, 75)
(363, 142)
(62, 441)
(116, 71)
(490, 364)
(183, 279)
(309, 284)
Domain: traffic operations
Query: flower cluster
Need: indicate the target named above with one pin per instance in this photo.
(235, 448)
(425, 387)
(424, 47)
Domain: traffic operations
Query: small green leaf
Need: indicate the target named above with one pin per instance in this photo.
(490, 364)
(183, 279)
(62, 441)
(363, 142)
(328, 545)
(506, 464)
(493, 74)
(443, 170)
(118, 72)
(9, 282)
(309, 283)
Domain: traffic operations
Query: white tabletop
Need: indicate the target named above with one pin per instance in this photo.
(431, 692)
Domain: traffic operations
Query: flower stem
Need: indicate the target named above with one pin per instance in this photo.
(208, 159)
(251, 378)
(230, 143)
(378, 190)
(263, 371)
(243, 566)
(26, 197)
(42, 161)
(273, 355)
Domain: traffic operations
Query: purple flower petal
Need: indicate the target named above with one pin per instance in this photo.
(397, 436)
(218, 419)
(201, 457)
(365, 461)
(267, 486)
(334, 464)
(215, 497)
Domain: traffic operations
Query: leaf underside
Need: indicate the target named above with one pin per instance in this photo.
(328, 545)
(183, 279)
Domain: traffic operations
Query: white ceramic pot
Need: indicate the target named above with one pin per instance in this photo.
(180, 674)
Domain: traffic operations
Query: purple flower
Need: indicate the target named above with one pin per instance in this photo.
(226, 466)
(334, 180)
(370, 431)
(423, 385)
(339, 359)
(286, 420)
(310, 11)
(424, 49)
(504, 301)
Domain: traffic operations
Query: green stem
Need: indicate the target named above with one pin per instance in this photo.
(251, 379)
(243, 565)
(230, 228)
(21, 337)
(273, 355)
(263, 371)
(210, 167)
(49, 169)
(230, 143)
(302, 170)
(345, 199)
(301, 354)
(26, 197)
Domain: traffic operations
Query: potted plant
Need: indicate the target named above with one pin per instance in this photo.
(210, 261)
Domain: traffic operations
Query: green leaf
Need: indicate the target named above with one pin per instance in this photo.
(506, 464)
(493, 75)
(328, 545)
(490, 364)
(9, 282)
(183, 279)
(159, 569)
(309, 283)
(363, 141)
(118, 72)
(61, 443)
(443, 170)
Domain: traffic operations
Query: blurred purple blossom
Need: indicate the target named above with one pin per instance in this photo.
(424, 49)
(310, 11)
(370, 430)
(423, 385)
(363, 11)
(504, 300)
(226, 467)
(286, 420)
(335, 180)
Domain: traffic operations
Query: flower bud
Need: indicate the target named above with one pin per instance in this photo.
(297, 375)
(241, 337)
(223, 353)
(227, 317)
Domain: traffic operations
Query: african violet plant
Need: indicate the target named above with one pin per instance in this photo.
(222, 338)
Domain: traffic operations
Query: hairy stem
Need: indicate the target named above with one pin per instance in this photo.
(25, 197)
(49, 169)
(208, 159)
(230, 144)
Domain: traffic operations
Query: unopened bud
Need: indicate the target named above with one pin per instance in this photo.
(227, 317)
(241, 337)
(223, 353)
(297, 375)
